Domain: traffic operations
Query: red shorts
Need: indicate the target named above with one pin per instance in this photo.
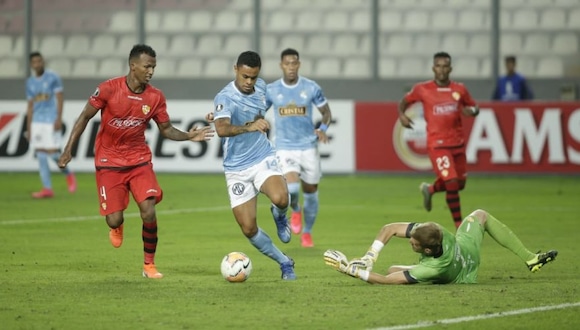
(114, 185)
(449, 163)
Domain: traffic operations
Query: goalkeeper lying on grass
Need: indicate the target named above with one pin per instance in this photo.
(445, 258)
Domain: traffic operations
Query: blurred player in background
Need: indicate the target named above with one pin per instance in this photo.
(512, 86)
(443, 103)
(297, 139)
(445, 258)
(44, 92)
(122, 157)
(249, 160)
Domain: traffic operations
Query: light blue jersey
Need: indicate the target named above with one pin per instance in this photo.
(42, 92)
(247, 149)
(293, 112)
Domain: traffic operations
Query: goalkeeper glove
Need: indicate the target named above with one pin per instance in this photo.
(336, 260)
(367, 261)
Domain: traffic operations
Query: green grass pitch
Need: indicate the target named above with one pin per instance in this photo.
(58, 270)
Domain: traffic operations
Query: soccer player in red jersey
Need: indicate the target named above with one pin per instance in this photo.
(122, 157)
(443, 103)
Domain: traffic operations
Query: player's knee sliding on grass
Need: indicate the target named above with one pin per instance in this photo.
(445, 258)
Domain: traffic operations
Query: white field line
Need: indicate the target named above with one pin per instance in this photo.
(97, 217)
(424, 324)
(130, 215)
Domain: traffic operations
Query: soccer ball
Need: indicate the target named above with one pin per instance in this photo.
(236, 267)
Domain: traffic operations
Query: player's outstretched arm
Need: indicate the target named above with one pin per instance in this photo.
(79, 127)
(396, 274)
(403, 118)
(224, 127)
(393, 278)
(398, 229)
(29, 107)
(196, 134)
(59, 107)
(325, 122)
(471, 111)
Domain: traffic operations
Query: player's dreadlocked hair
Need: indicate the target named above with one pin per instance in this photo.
(139, 49)
(429, 235)
(289, 51)
(442, 55)
(250, 59)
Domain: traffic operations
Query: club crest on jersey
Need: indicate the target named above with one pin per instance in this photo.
(303, 94)
(456, 96)
(104, 206)
(145, 108)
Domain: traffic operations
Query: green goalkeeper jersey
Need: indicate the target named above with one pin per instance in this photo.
(459, 261)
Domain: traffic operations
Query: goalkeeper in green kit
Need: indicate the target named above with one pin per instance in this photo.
(445, 257)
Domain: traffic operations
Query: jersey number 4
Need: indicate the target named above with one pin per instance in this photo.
(103, 193)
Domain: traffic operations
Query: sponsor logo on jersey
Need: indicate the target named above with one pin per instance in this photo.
(292, 110)
(444, 108)
(41, 97)
(126, 123)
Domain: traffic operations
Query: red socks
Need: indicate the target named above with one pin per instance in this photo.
(149, 234)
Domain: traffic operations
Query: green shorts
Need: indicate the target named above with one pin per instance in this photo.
(469, 237)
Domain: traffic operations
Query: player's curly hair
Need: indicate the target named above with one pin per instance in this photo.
(430, 236)
(139, 49)
(250, 59)
(289, 51)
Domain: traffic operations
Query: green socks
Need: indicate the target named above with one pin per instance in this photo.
(506, 238)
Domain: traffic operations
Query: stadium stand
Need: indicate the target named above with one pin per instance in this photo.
(193, 37)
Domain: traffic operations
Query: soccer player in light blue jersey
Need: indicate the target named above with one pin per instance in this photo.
(249, 159)
(44, 122)
(292, 98)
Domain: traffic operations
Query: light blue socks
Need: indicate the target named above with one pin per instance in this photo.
(44, 169)
(278, 212)
(294, 190)
(310, 210)
(264, 244)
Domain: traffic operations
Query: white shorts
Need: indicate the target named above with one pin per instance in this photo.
(43, 136)
(306, 162)
(245, 185)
